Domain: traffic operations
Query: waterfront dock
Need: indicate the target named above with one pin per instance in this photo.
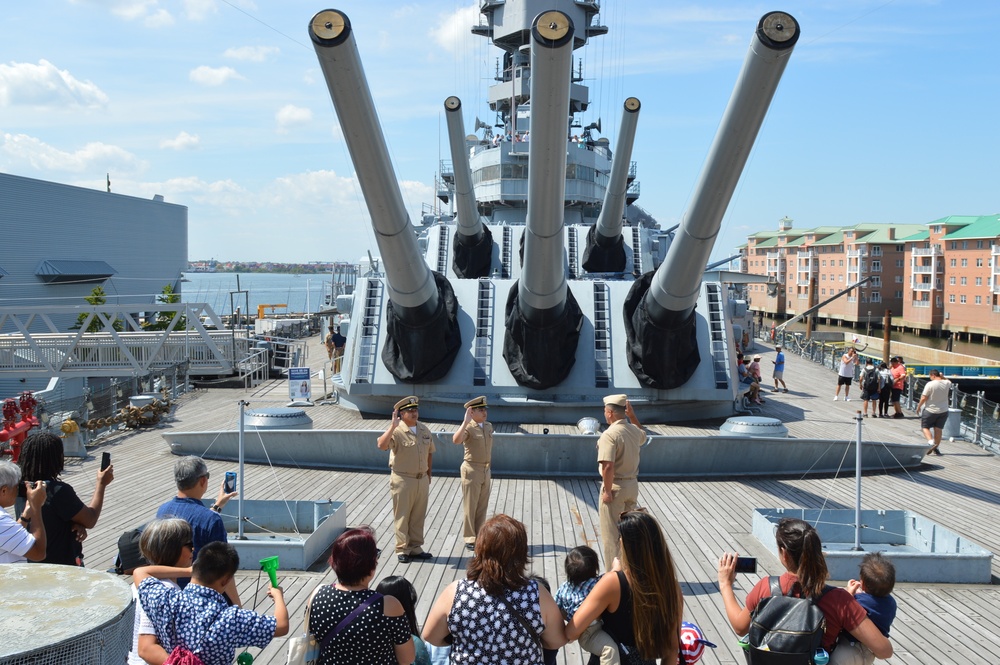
(702, 517)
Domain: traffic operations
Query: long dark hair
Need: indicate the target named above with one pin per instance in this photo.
(501, 556)
(657, 604)
(41, 457)
(801, 542)
(401, 589)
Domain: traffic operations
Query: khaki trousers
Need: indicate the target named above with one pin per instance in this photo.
(409, 507)
(851, 652)
(475, 499)
(626, 495)
(594, 640)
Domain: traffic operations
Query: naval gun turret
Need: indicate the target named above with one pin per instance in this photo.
(422, 335)
(542, 317)
(659, 311)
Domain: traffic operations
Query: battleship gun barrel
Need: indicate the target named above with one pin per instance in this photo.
(663, 316)
(472, 250)
(422, 333)
(410, 282)
(674, 291)
(543, 320)
(605, 251)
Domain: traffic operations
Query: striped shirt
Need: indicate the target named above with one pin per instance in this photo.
(15, 541)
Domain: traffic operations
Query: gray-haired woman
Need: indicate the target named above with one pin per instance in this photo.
(167, 546)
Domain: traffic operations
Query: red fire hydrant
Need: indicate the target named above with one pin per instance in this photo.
(15, 431)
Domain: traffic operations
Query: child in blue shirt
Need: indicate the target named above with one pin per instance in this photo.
(581, 575)
(872, 591)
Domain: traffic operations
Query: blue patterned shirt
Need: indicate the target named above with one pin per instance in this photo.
(569, 595)
(199, 619)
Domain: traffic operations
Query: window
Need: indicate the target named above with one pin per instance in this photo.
(899, 294)
(979, 300)
(965, 263)
(954, 244)
(899, 263)
(938, 301)
(876, 281)
(876, 266)
(965, 281)
(824, 263)
(965, 244)
(840, 278)
(822, 292)
(899, 279)
(900, 248)
(841, 262)
(953, 263)
(823, 277)
(951, 280)
(951, 298)
(962, 300)
(936, 229)
(979, 281)
(979, 244)
(876, 250)
(979, 263)
(876, 296)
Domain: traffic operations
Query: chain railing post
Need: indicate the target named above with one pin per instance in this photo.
(979, 419)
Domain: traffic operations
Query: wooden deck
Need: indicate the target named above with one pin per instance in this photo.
(702, 518)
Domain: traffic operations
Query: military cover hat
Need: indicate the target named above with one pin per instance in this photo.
(410, 402)
(478, 402)
(617, 400)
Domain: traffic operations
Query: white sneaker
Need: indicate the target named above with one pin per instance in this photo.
(836, 397)
(847, 399)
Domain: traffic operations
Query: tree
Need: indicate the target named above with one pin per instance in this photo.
(163, 318)
(96, 297)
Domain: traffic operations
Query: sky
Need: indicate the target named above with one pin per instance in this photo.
(887, 111)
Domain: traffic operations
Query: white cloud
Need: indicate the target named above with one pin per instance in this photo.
(453, 32)
(251, 53)
(21, 150)
(290, 116)
(199, 10)
(213, 76)
(23, 83)
(183, 141)
(161, 18)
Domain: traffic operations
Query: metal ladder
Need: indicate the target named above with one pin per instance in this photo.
(717, 331)
(636, 251)
(443, 249)
(572, 252)
(508, 238)
(368, 347)
(484, 333)
(602, 336)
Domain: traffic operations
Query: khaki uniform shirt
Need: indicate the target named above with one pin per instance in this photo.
(620, 445)
(478, 443)
(408, 451)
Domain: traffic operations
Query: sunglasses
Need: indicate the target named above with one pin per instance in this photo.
(191, 545)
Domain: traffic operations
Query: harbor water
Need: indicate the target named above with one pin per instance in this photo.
(301, 293)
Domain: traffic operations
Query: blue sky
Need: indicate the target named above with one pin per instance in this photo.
(887, 111)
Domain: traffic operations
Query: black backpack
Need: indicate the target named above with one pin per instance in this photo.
(129, 557)
(790, 628)
(869, 381)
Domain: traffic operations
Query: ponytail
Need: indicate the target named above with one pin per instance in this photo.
(801, 541)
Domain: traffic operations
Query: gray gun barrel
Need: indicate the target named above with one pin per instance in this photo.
(543, 319)
(469, 225)
(609, 222)
(422, 335)
(605, 251)
(674, 291)
(542, 290)
(472, 248)
(660, 322)
(410, 282)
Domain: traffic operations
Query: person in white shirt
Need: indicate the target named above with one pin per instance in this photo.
(934, 402)
(845, 377)
(24, 538)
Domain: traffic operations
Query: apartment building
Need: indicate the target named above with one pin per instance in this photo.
(808, 266)
(953, 281)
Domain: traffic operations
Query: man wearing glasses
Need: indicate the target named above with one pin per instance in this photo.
(476, 434)
(411, 449)
(618, 458)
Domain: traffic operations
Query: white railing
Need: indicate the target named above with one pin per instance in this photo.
(921, 303)
(927, 251)
(926, 269)
(922, 286)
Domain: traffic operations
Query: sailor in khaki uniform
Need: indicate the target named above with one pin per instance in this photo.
(411, 448)
(476, 434)
(618, 457)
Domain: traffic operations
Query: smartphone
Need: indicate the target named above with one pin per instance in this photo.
(230, 485)
(746, 564)
(105, 460)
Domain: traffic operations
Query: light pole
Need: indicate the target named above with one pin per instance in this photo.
(869, 331)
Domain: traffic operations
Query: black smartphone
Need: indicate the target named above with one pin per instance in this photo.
(746, 564)
(230, 485)
(105, 460)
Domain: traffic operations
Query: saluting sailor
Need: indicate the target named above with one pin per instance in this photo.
(476, 434)
(411, 448)
(618, 457)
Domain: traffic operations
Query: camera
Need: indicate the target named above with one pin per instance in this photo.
(230, 485)
(746, 564)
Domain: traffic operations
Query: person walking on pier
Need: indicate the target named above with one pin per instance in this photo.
(898, 371)
(885, 389)
(934, 402)
(411, 450)
(476, 434)
(779, 369)
(845, 376)
(618, 458)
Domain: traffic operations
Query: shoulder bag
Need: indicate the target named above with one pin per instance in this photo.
(304, 649)
(524, 623)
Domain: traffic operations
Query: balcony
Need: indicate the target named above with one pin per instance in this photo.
(922, 286)
(921, 303)
(923, 269)
(857, 253)
(927, 251)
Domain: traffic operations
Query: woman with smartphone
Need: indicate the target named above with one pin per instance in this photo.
(64, 514)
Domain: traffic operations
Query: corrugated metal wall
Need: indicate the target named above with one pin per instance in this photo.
(144, 240)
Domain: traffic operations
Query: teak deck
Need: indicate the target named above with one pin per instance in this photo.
(702, 518)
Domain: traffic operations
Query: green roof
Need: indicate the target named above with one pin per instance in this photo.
(954, 220)
(770, 242)
(881, 234)
(921, 235)
(832, 239)
(983, 227)
(796, 243)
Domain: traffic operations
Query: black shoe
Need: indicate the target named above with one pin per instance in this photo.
(404, 558)
(898, 415)
(936, 452)
(423, 556)
(470, 546)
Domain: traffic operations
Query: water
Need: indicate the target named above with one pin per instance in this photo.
(302, 293)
